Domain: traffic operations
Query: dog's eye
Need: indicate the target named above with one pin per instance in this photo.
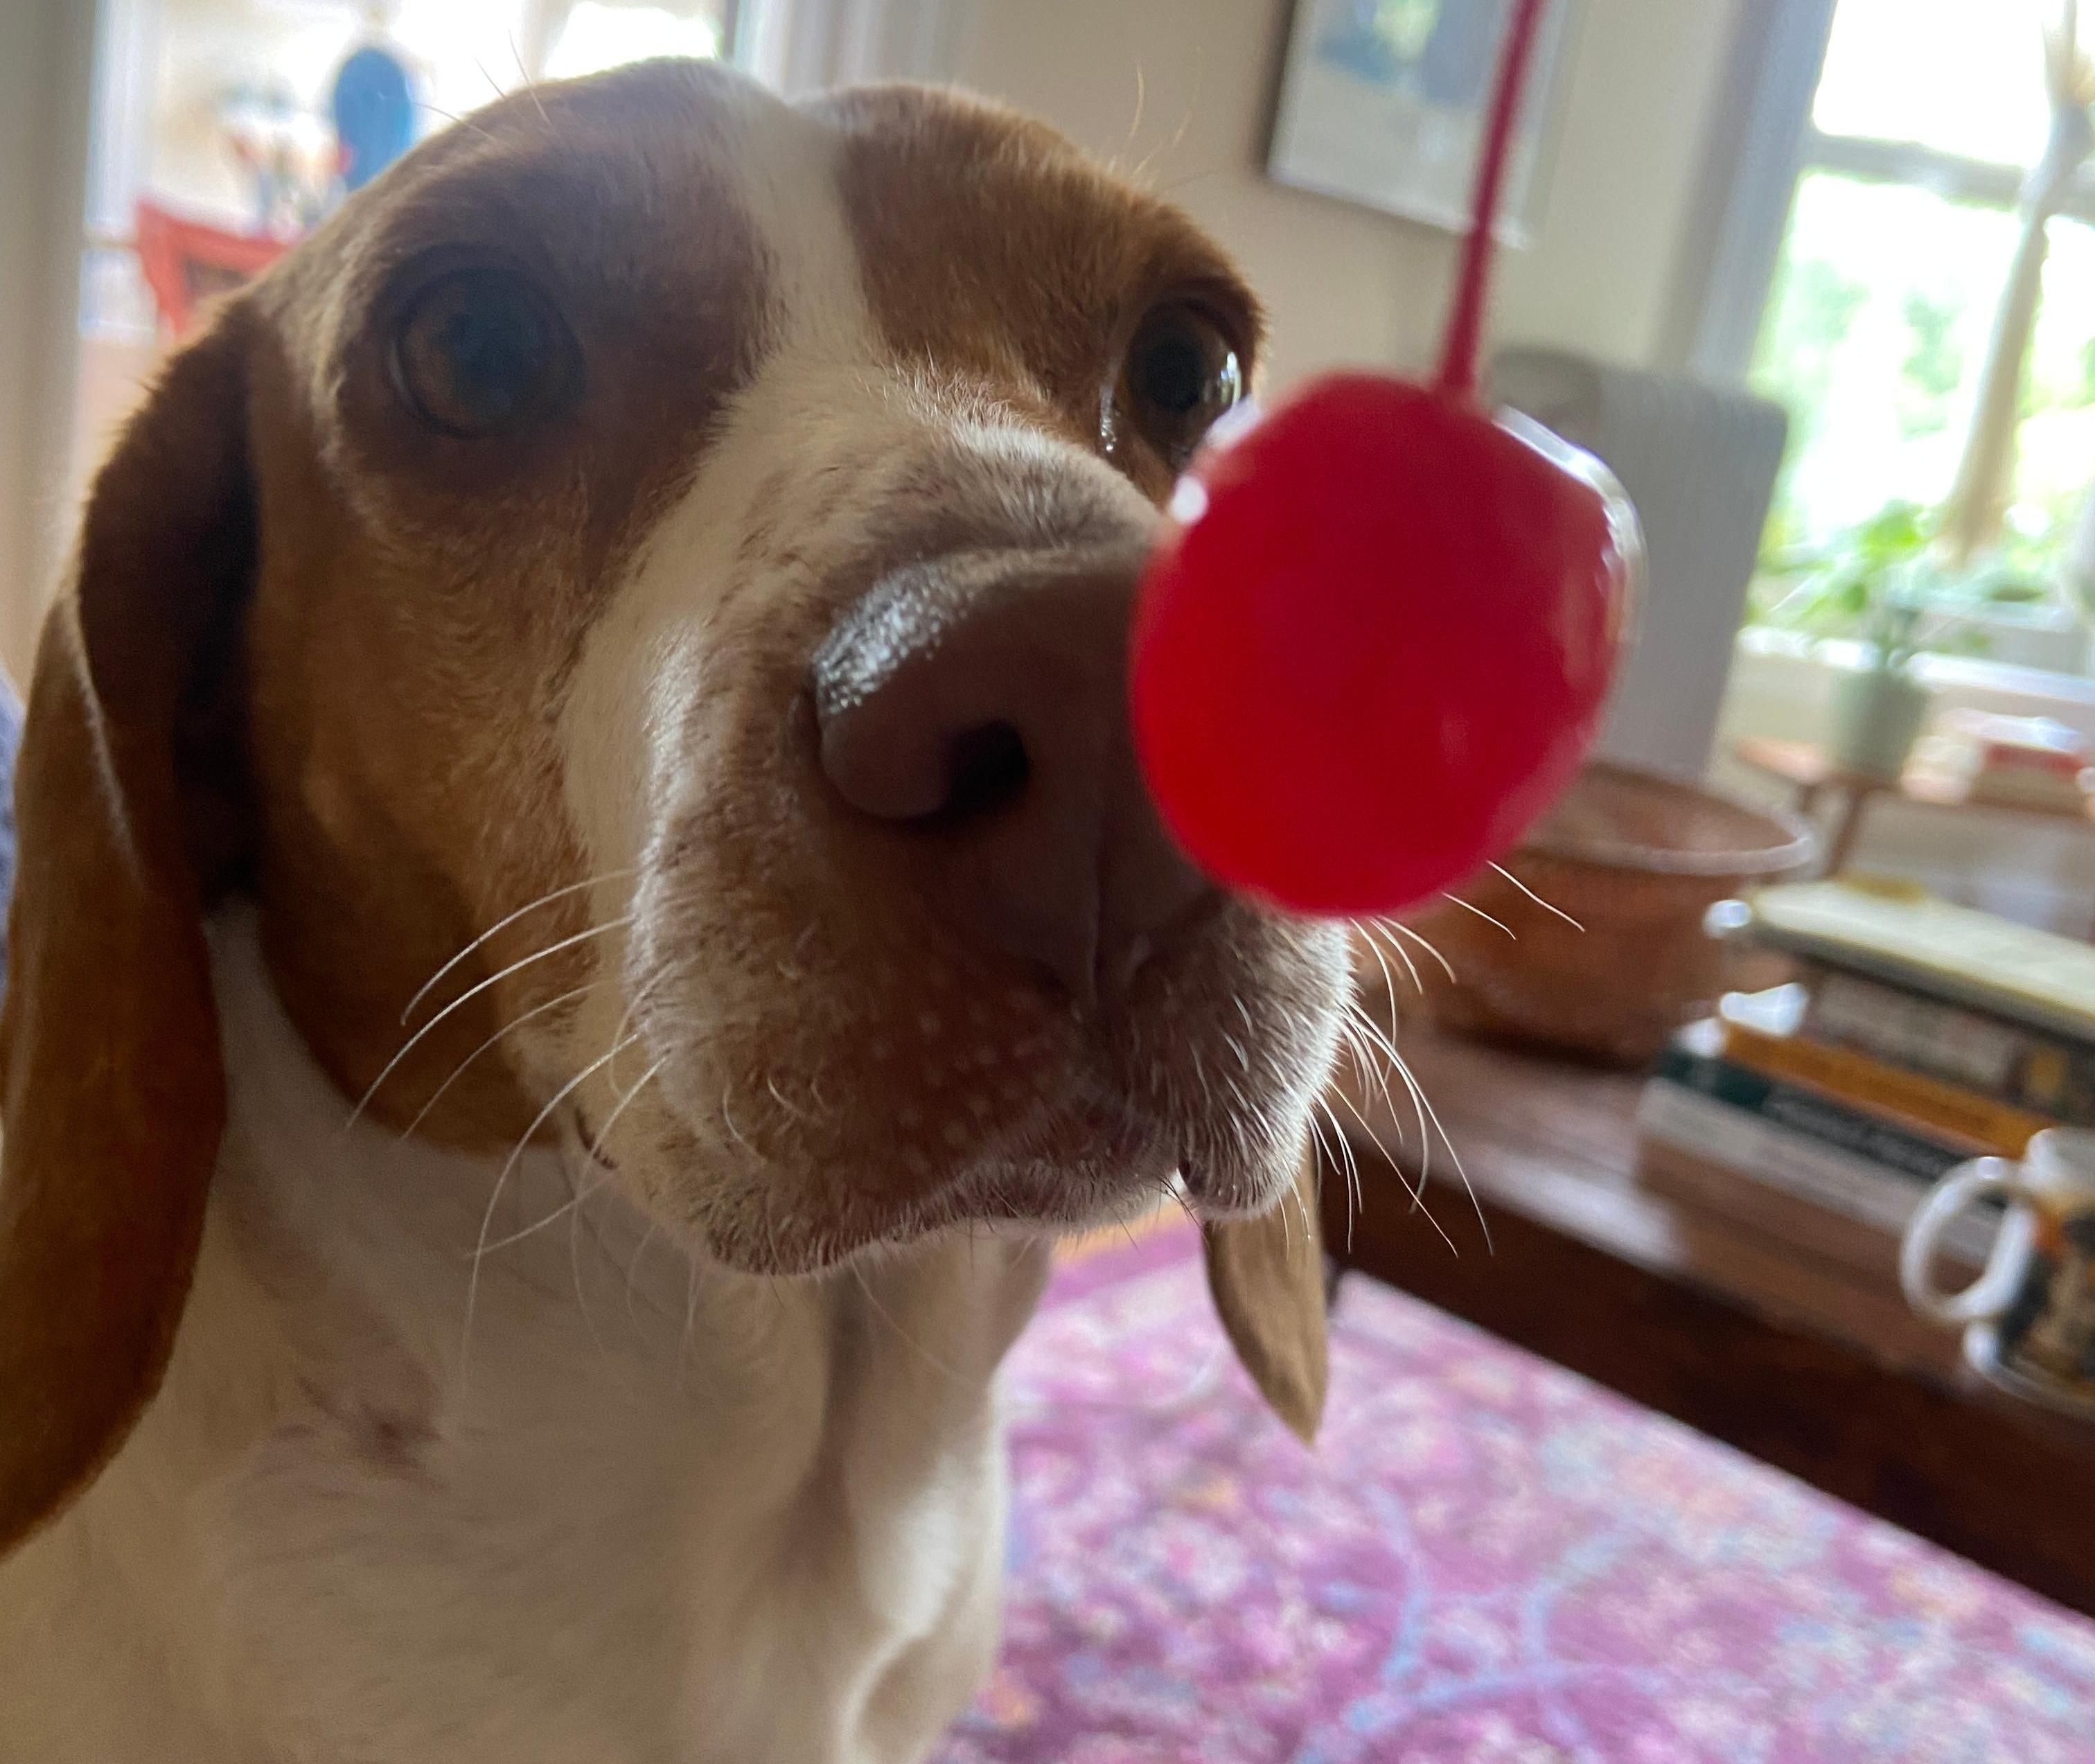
(1182, 373)
(481, 352)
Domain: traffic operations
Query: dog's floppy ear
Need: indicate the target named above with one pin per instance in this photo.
(112, 1082)
(1267, 1277)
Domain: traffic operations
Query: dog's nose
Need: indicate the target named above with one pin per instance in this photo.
(979, 702)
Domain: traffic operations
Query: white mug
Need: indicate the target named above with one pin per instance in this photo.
(2029, 1318)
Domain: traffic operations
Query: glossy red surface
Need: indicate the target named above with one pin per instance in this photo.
(1380, 648)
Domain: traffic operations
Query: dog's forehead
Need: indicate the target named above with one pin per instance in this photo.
(968, 234)
(977, 231)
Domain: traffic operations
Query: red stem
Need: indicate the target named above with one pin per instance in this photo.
(1466, 325)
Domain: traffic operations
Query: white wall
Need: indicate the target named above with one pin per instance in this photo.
(1345, 283)
(47, 51)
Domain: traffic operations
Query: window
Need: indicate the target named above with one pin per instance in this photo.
(218, 113)
(196, 96)
(1899, 242)
(595, 36)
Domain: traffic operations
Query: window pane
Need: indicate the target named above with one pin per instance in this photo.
(221, 112)
(2056, 463)
(277, 60)
(598, 36)
(1875, 338)
(1963, 76)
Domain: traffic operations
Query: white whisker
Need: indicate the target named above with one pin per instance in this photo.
(1399, 927)
(573, 1201)
(881, 1311)
(1418, 1195)
(1371, 927)
(1389, 1050)
(1424, 1105)
(581, 1195)
(1382, 961)
(1470, 906)
(632, 1269)
(503, 923)
(408, 1045)
(1454, 1157)
(732, 1128)
(1537, 899)
(691, 1306)
(487, 1218)
(1302, 1207)
(458, 1071)
(523, 73)
(778, 1096)
(646, 1078)
(1361, 1048)
(666, 971)
(1348, 1166)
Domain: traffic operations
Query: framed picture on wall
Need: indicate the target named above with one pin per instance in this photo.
(1382, 102)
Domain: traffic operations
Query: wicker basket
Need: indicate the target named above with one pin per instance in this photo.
(1636, 859)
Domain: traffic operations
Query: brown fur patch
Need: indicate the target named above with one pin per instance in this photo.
(992, 247)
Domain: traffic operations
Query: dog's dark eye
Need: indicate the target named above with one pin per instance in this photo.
(482, 352)
(1182, 373)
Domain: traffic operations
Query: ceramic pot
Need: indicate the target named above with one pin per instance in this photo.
(1877, 718)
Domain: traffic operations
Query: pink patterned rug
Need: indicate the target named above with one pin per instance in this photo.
(1489, 1561)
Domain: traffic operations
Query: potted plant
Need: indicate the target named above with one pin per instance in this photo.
(1870, 586)
(1879, 708)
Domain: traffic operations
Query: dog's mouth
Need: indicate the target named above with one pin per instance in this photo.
(948, 1099)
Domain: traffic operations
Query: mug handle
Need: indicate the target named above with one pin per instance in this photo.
(1994, 1289)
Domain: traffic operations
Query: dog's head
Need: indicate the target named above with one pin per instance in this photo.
(659, 562)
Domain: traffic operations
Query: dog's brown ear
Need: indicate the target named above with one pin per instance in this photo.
(1267, 1277)
(111, 1083)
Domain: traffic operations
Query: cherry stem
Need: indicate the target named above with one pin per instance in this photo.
(1466, 325)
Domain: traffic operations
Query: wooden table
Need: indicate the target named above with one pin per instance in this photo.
(1764, 1344)
(1812, 776)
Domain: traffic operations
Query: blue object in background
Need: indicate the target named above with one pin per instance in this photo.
(374, 113)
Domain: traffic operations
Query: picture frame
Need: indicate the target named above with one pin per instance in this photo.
(1382, 103)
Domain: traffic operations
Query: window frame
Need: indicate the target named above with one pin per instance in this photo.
(1760, 145)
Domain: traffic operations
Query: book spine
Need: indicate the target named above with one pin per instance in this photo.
(1759, 1150)
(1837, 1124)
(1920, 1101)
(1827, 945)
(2041, 1073)
(1924, 1033)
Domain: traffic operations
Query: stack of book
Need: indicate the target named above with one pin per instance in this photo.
(1916, 1036)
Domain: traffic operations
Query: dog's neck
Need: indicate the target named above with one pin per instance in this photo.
(506, 1474)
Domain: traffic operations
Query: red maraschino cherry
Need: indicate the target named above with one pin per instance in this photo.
(1377, 644)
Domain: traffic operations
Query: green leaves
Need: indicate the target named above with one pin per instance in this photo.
(1876, 584)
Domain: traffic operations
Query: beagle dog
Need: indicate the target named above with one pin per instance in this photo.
(586, 914)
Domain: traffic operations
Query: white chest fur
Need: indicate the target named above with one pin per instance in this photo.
(630, 1508)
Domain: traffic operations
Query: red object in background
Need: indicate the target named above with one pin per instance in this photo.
(187, 262)
(1378, 644)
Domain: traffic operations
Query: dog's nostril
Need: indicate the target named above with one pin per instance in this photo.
(986, 768)
(979, 704)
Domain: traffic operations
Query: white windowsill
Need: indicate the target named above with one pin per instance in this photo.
(2069, 697)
